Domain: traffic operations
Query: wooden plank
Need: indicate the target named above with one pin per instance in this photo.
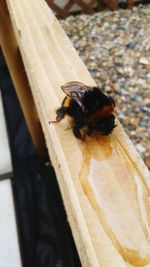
(5, 157)
(12, 56)
(63, 8)
(9, 245)
(103, 181)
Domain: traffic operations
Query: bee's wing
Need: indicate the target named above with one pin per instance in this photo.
(76, 91)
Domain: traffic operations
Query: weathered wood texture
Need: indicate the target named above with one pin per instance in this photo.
(12, 56)
(64, 8)
(104, 183)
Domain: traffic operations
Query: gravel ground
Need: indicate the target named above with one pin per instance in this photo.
(115, 47)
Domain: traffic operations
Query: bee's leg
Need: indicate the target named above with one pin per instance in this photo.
(77, 132)
(61, 112)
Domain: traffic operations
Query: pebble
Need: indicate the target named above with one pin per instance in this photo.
(140, 148)
(115, 46)
(144, 61)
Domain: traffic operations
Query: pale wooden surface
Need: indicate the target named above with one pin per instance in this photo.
(50, 61)
(16, 69)
(5, 157)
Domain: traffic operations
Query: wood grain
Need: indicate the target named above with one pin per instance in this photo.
(50, 61)
(16, 69)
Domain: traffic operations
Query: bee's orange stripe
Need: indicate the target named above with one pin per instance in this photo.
(101, 113)
(67, 102)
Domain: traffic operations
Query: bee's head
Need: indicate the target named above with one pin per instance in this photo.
(105, 125)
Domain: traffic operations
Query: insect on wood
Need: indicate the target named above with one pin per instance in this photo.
(91, 110)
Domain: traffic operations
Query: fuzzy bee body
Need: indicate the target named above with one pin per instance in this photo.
(90, 108)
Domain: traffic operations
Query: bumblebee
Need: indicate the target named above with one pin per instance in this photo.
(90, 108)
